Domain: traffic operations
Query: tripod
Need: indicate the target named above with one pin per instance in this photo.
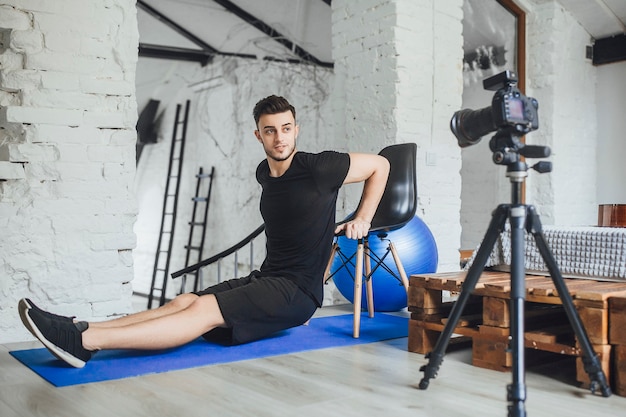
(521, 217)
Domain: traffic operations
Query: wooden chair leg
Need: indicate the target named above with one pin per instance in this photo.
(396, 258)
(358, 284)
(369, 290)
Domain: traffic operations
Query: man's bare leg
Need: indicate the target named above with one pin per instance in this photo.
(174, 327)
(75, 341)
(177, 304)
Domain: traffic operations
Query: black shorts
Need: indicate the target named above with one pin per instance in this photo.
(254, 307)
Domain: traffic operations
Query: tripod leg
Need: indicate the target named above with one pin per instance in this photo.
(516, 391)
(496, 226)
(590, 358)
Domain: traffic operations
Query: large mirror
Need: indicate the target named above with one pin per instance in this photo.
(492, 43)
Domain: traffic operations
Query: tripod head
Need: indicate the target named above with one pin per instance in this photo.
(508, 149)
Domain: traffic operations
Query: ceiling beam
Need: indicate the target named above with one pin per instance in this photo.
(271, 32)
(175, 53)
(206, 54)
(181, 30)
(197, 55)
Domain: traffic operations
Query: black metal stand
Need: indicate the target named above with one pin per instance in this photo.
(521, 217)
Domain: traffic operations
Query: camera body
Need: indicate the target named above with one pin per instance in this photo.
(511, 112)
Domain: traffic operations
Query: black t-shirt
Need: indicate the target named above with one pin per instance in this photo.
(298, 209)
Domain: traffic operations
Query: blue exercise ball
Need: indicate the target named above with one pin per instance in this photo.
(417, 250)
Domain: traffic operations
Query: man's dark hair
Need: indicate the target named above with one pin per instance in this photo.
(272, 105)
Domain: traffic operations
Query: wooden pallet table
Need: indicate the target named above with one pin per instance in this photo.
(486, 318)
(617, 338)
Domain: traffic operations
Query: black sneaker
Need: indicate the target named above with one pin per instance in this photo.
(59, 334)
(25, 304)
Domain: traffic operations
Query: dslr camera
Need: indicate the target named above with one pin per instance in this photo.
(511, 113)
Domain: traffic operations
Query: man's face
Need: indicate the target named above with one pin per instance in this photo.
(277, 132)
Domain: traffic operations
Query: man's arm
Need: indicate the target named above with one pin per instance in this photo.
(374, 170)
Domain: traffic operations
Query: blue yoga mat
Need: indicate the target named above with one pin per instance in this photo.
(323, 332)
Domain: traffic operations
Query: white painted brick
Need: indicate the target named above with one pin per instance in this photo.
(447, 9)
(101, 48)
(377, 15)
(119, 206)
(121, 103)
(66, 206)
(59, 80)
(7, 212)
(376, 39)
(118, 305)
(17, 80)
(63, 134)
(62, 41)
(104, 86)
(20, 114)
(50, 23)
(105, 241)
(103, 189)
(26, 41)
(42, 171)
(11, 171)
(108, 153)
(29, 152)
(357, 8)
(43, 98)
(72, 152)
(68, 7)
(85, 171)
(342, 30)
(33, 263)
(347, 50)
(11, 18)
(359, 32)
(11, 60)
(9, 98)
(110, 119)
(93, 223)
(49, 61)
(122, 137)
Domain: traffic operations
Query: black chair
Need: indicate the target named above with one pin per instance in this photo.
(396, 208)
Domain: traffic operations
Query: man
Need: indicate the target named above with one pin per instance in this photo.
(298, 207)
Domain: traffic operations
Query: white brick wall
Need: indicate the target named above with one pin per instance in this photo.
(392, 58)
(67, 157)
(564, 82)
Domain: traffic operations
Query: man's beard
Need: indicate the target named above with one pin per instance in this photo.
(281, 158)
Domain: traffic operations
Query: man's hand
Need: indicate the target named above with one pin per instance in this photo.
(354, 229)
(373, 170)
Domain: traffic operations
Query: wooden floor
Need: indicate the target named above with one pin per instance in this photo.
(377, 379)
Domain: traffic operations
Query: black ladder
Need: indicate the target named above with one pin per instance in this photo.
(170, 205)
(198, 221)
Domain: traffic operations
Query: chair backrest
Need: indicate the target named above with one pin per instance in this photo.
(399, 202)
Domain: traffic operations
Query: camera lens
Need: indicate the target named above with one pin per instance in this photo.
(469, 126)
